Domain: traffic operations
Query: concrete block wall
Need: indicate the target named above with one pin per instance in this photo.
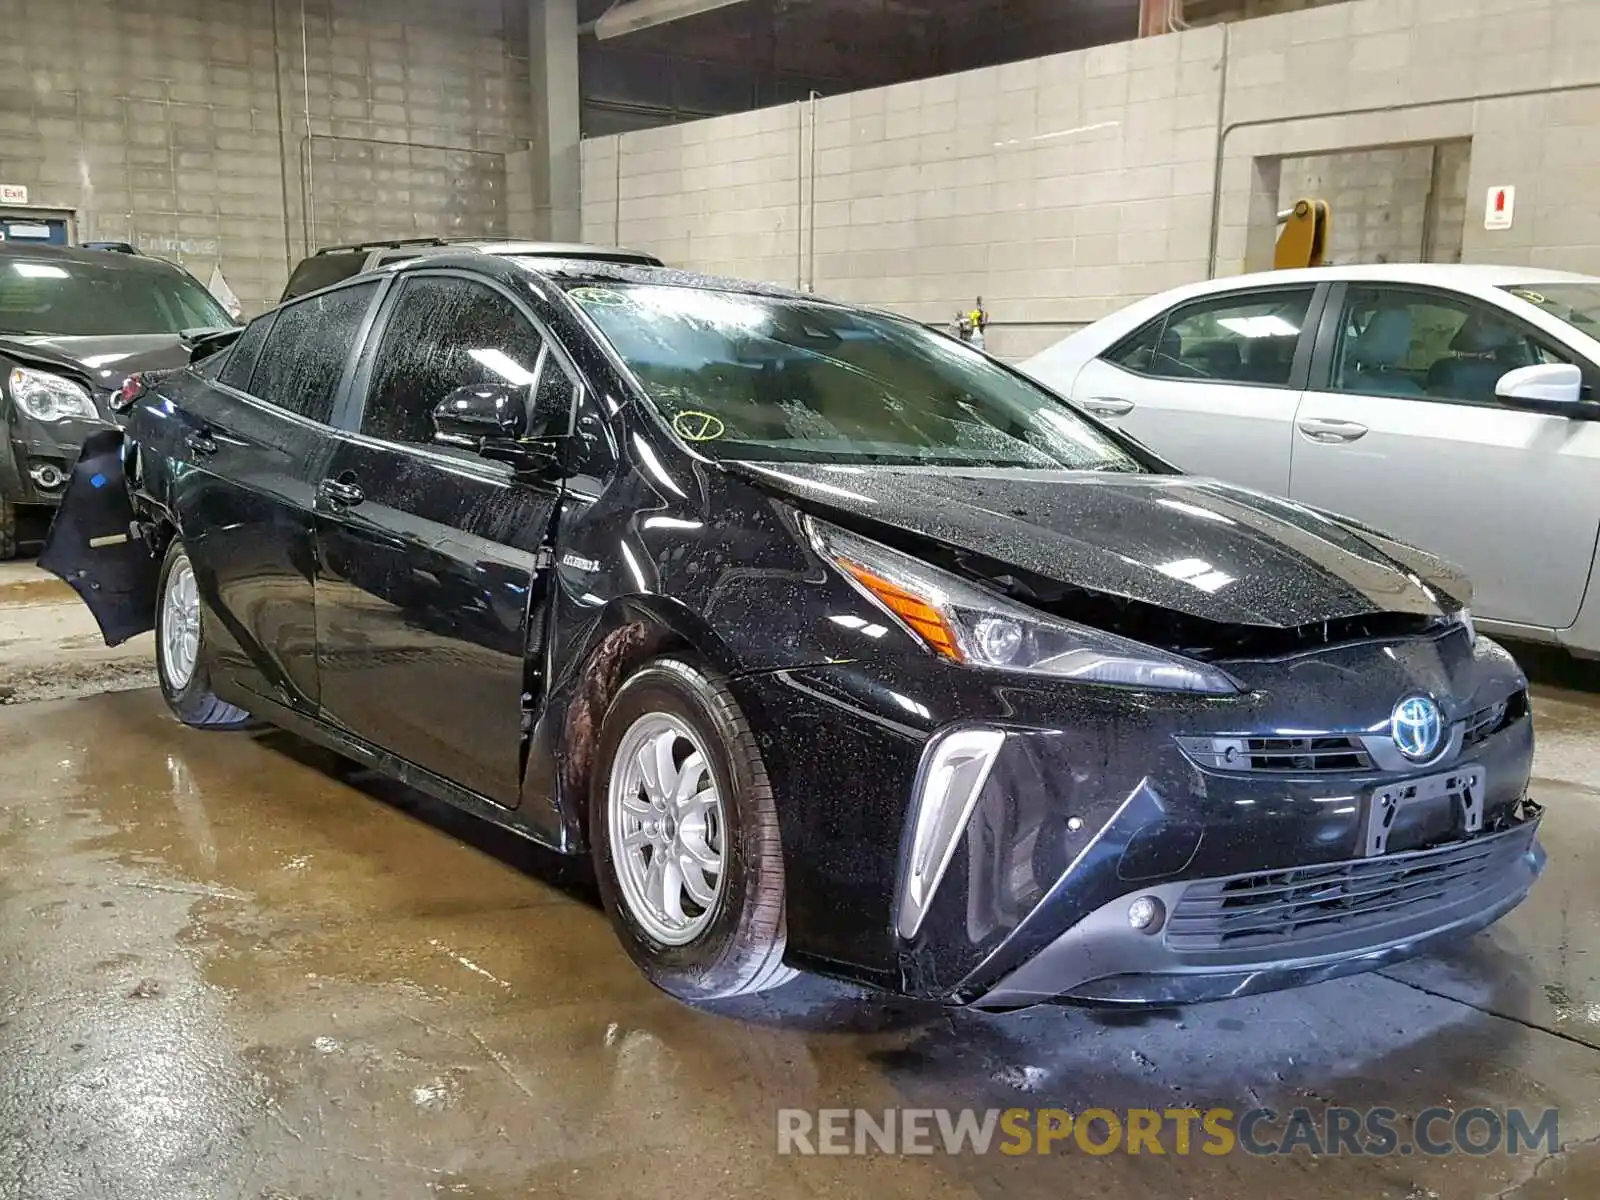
(1387, 203)
(1518, 79)
(1055, 188)
(1452, 170)
(180, 125)
(1061, 188)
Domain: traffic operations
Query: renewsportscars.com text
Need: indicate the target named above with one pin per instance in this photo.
(1175, 1131)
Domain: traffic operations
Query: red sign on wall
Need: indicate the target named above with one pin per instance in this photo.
(1499, 206)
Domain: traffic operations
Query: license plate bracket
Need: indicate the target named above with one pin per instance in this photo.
(1463, 788)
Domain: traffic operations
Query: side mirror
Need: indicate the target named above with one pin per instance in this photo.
(1554, 388)
(491, 420)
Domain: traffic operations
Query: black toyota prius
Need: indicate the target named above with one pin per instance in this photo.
(838, 645)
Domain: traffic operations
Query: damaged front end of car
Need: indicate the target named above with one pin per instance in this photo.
(1111, 846)
(1135, 790)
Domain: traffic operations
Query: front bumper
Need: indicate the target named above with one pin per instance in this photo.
(1245, 934)
(1097, 796)
(37, 458)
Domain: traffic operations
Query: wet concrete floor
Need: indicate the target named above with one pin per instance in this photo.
(234, 966)
(51, 648)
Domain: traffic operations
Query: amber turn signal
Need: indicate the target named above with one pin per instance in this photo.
(925, 620)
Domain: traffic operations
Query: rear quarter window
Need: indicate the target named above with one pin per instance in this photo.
(241, 357)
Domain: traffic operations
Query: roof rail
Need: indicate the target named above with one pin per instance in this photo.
(112, 247)
(384, 245)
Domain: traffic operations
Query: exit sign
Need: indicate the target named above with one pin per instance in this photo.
(1499, 207)
(13, 193)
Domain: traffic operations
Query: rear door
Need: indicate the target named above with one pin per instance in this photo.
(1401, 429)
(1213, 383)
(244, 471)
(429, 591)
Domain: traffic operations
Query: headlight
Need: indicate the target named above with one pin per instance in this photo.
(966, 624)
(46, 397)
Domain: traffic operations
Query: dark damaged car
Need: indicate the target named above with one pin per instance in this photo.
(838, 645)
(74, 324)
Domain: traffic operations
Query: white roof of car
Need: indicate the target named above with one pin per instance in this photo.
(1449, 275)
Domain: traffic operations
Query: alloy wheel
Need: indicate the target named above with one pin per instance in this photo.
(665, 818)
(180, 625)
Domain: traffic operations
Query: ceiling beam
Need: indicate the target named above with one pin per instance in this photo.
(634, 15)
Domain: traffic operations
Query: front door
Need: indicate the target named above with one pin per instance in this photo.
(1403, 432)
(430, 607)
(1212, 384)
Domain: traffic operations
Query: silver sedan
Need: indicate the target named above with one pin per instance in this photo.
(1454, 407)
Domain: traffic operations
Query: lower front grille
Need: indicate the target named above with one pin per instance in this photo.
(1281, 908)
(1312, 752)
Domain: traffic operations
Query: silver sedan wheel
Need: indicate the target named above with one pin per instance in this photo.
(180, 625)
(665, 818)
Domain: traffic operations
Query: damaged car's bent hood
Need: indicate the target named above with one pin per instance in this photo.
(103, 359)
(1211, 550)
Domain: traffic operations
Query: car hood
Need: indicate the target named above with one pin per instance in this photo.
(103, 360)
(1214, 551)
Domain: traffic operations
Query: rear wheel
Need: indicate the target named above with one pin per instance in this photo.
(685, 836)
(181, 662)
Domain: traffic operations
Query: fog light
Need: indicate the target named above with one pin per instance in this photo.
(1144, 914)
(48, 476)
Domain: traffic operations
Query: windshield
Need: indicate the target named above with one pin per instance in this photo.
(1578, 304)
(778, 380)
(74, 299)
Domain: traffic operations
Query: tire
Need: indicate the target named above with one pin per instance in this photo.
(189, 696)
(734, 945)
(8, 530)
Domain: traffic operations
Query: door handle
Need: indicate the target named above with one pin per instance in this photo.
(1108, 406)
(341, 493)
(1328, 429)
(201, 442)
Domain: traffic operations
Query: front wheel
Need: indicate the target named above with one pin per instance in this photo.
(685, 836)
(181, 664)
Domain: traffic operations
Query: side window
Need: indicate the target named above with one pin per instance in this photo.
(244, 353)
(1221, 339)
(593, 446)
(211, 366)
(307, 349)
(553, 398)
(1394, 342)
(444, 334)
